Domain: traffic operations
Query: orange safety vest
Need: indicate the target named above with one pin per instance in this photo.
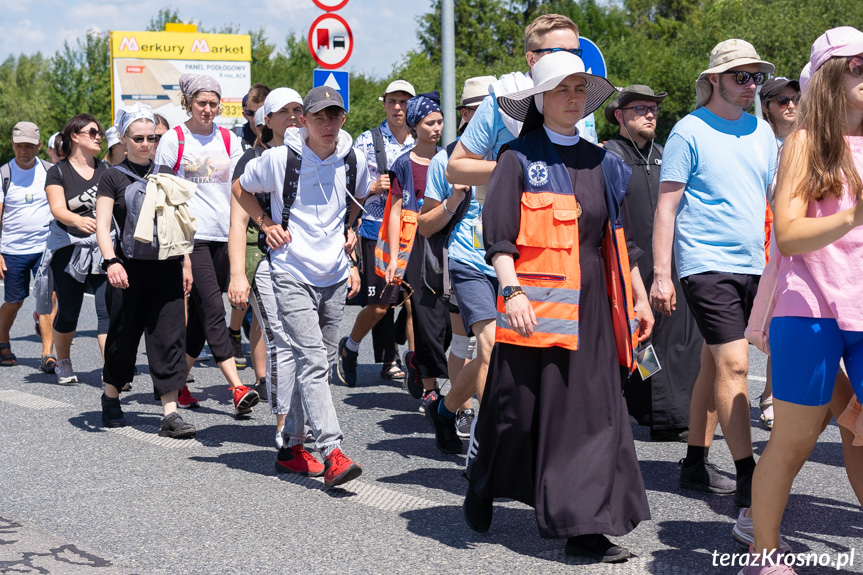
(408, 221)
(548, 265)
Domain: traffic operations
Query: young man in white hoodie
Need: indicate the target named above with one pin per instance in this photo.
(311, 271)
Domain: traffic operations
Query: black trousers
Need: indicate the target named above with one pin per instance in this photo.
(70, 294)
(211, 271)
(432, 328)
(152, 305)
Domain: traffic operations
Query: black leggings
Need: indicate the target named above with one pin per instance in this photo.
(152, 305)
(70, 294)
(211, 272)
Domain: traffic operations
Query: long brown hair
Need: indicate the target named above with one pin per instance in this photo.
(824, 149)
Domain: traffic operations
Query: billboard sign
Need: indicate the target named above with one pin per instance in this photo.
(146, 67)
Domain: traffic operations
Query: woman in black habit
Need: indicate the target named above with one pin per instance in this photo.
(553, 430)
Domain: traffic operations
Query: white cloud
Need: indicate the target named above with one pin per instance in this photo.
(381, 34)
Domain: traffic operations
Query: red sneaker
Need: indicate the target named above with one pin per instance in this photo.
(338, 469)
(186, 400)
(297, 460)
(245, 398)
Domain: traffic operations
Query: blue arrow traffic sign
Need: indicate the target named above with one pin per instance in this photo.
(338, 81)
(594, 63)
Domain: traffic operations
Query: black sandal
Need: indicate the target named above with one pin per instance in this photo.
(392, 371)
(7, 359)
(49, 363)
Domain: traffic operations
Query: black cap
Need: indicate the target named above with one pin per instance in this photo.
(774, 86)
(322, 97)
(630, 94)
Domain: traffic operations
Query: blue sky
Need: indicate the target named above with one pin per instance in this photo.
(383, 30)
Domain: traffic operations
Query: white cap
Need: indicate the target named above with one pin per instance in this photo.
(279, 98)
(399, 86)
(52, 141)
(113, 136)
(259, 117)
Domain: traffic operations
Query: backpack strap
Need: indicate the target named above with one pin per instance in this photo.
(350, 184)
(129, 173)
(292, 183)
(181, 145)
(6, 173)
(380, 150)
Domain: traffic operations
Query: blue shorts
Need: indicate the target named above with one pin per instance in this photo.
(18, 268)
(805, 353)
(475, 292)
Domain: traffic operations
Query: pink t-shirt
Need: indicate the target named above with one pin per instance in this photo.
(827, 283)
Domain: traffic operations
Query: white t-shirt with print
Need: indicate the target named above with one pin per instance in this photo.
(26, 213)
(206, 163)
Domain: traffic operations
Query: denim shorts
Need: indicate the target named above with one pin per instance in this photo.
(476, 293)
(17, 275)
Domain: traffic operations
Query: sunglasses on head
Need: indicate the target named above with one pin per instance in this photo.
(855, 66)
(643, 110)
(93, 133)
(575, 51)
(140, 139)
(784, 101)
(743, 78)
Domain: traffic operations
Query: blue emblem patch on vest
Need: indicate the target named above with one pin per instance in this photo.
(537, 174)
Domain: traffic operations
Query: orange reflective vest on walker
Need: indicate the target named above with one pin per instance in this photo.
(548, 267)
(408, 221)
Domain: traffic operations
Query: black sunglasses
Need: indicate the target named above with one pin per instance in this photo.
(575, 51)
(784, 101)
(140, 139)
(855, 66)
(93, 133)
(743, 78)
(247, 112)
(643, 110)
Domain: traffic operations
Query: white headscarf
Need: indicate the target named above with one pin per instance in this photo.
(128, 114)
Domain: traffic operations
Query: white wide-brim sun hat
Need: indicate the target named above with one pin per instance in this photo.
(547, 74)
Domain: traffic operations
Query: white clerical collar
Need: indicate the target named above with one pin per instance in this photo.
(560, 139)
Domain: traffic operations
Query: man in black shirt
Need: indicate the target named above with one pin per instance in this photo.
(662, 401)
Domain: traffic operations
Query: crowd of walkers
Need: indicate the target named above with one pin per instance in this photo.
(523, 263)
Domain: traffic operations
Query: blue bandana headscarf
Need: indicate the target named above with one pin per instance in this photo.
(421, 106)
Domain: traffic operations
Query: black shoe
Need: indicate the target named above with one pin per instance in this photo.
(705, 476)
(413, 383)
(445, 433)
(680, 435)
(477, 511)
(346, 365)
(174, 426)
(237, 347)
(261, 388)
(112, 413)
(743, 492)
(597, 547)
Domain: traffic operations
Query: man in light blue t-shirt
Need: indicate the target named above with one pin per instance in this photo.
(717, 166)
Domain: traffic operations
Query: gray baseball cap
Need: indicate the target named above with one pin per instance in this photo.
(25, 133)
(322, 97)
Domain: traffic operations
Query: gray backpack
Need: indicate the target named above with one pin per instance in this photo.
(135, 194)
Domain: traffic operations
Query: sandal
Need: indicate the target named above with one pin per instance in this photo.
(7, 359)
(49, 363)
(766, 406)
(392, 371)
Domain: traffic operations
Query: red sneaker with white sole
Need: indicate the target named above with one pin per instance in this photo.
(245, 398)
(186, 400)
(297, 460)
(339, 469)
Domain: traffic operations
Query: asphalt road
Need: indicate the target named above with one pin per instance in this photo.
(77, 499)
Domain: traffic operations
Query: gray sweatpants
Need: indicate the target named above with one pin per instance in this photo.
(311, 317)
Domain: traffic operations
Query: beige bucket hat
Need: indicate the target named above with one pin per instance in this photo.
(724, 56)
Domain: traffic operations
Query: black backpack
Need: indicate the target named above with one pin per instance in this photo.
(433, 264)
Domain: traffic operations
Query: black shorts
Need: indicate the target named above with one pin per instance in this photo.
(721, 303)
(373, 284)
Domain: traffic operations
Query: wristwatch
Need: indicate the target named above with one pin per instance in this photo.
(510, 292)
(108, 263)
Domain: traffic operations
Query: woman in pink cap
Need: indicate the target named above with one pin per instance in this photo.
(817, 319)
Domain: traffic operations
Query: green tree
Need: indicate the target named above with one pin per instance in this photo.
(23, 97)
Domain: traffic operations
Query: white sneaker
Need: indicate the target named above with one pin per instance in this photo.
(743, 532)
(65, 373)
